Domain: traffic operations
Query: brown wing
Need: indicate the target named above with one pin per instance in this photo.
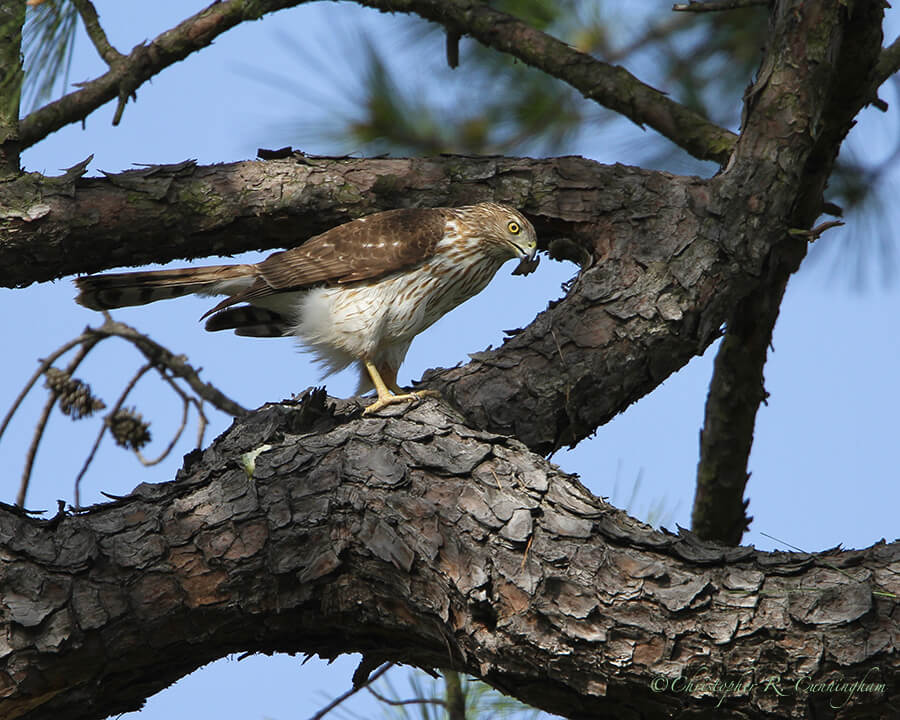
(361, 249)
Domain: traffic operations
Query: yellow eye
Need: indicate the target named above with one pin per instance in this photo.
(513, 227)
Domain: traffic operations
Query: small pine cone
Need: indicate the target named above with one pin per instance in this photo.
(75, 398)
(129, 429)
(57, 380)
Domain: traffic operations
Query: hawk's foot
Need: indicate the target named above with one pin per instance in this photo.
(388, 399)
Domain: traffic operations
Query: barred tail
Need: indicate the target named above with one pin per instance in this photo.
(115, 290)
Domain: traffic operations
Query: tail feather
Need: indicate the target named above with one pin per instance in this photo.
(115, 290)
(250, 321)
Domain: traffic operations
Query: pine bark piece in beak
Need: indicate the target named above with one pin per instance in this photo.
(528, 264)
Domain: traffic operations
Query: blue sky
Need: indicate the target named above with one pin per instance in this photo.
(824, 463)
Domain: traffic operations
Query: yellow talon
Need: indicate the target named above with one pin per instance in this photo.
(389, 393)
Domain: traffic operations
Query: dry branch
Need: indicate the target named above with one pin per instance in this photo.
(178, 365)
(167, 364)
(41, 425)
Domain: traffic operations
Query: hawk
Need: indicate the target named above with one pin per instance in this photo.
(358, 293)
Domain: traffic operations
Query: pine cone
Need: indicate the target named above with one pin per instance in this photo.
(129, 429)
(75, 397)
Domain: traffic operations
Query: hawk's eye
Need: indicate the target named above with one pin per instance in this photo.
(513, 227)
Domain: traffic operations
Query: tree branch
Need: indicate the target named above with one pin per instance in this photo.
(717, 6)
(12, 18)
(737, 386)
(352, 691)
(611, 86)
(389, 536)
(41, 424)
(735, 393)
(92, 25)
(888, 64)
(129, 72)
(160, 356)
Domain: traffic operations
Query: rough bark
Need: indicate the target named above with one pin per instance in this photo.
(735, 393)
(12, 17)
(414, 538)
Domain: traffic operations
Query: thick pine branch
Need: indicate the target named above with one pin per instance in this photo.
(415, 538)
(735, 392)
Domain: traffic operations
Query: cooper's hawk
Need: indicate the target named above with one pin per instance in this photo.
(359, 292)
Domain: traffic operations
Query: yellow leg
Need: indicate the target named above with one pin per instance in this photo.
(389, 393)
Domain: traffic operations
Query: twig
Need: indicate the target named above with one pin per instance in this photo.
(352, 691)
(813, 234)
(202, 422)
(186, 402)
(888, 64)
(46, 363)
(411, 701)
(92, 24)
(176, 364)
(717, 6)
(185, 408)
(159, 357)
(90, 458)
(527, 549)
(33, 447)
(86, 347)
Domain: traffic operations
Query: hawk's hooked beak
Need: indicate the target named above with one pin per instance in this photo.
(528, 262)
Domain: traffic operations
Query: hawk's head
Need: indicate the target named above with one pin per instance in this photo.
(504, 232)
